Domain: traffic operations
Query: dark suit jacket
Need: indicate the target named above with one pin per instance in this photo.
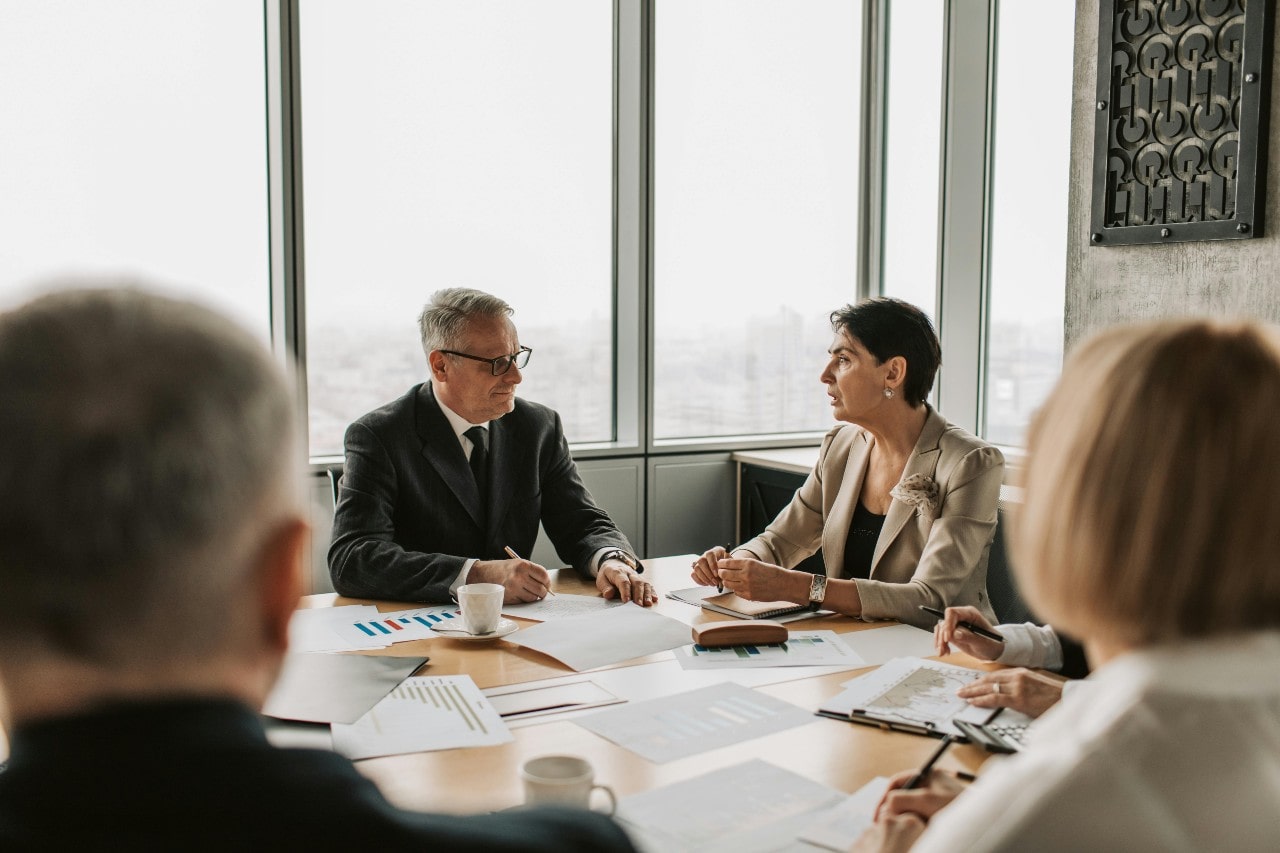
(200, 775)
(409, 515)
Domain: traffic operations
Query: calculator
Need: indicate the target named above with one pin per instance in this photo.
(994, 736)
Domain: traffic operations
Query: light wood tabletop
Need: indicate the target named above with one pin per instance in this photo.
(842, 755)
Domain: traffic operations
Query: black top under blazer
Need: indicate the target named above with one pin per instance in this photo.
(409, 514)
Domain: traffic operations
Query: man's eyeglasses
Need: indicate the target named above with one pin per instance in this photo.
(502, 363)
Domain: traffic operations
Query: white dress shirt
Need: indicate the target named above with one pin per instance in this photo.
(460, 426)
(1171, 749)
(1030, 645)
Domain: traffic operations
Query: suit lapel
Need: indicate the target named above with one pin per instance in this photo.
(443, 452)
(923, 460)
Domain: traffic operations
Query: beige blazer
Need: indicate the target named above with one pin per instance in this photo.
(937, 558)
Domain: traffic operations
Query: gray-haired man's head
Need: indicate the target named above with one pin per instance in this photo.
(148, 452)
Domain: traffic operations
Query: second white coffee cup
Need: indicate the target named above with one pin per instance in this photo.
(481, 605)
(562, 780)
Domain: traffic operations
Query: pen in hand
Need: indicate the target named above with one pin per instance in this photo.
(968, 626)
(917, 780)
(513, 555)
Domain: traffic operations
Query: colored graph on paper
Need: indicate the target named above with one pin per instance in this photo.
(423, 714)
(802, 648)
(672, 727)
(397, 627)
(910, 690)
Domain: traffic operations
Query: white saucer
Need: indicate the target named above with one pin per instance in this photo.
(505, 627)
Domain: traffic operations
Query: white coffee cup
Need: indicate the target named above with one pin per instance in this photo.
(481, 605)
(562, 780)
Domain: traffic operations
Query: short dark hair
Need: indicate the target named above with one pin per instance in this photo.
(890, 327)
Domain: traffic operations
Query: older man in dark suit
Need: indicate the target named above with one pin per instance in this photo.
(151, 532)
(441, 483)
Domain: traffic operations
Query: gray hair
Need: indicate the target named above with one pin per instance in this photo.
(148, 451)
(444, 320)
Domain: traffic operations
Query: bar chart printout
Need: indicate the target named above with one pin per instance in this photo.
(685, 724)
(424, 714)
(399, 626)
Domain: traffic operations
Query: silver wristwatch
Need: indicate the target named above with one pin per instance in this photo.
(817, 591)
(622, 557)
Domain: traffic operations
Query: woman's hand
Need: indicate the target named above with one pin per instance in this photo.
(892, 834)
(1023, 690)
(705, 572)
(948, 633)
(757, 581)
(926, 800)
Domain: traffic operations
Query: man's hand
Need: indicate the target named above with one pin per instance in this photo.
(1023, 690)
(705, 568)
(757, 581)
(948, 633)
(522, 580)
(618, 580)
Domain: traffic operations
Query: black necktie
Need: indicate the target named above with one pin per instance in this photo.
(479, 437)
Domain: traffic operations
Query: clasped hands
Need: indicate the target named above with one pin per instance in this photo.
(524, 580)
(749, 578)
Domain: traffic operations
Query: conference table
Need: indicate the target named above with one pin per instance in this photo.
(839, 754)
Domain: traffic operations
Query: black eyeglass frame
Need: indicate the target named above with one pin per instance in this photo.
(494, 362)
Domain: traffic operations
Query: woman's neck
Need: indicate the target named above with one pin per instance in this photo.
(897, 429)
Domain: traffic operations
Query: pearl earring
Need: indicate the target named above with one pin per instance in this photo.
(888, 392)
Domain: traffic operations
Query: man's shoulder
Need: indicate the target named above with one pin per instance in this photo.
(393, 414)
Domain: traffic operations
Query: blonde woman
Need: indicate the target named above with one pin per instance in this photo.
(902, 503)
(1150, 530)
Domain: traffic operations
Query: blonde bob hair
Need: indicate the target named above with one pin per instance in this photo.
(1152, 489)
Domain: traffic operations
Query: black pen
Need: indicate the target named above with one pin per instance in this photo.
(981, 632)
(916, 780)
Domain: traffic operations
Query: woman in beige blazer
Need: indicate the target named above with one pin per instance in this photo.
(902, 503)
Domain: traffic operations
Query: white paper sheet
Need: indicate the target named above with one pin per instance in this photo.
(672, 727)
(844, 823)
(560, 606)
(911, 690)
(399, 626)
(612, 636)
(802, 648)
(747, 808)
(424, 714)
(311, 630)
(877, 645)
(334, 688)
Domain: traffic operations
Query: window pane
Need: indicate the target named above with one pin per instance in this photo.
(756, 209)
(912, 145)
(457, 144)
(134, 143)
(1029, 211)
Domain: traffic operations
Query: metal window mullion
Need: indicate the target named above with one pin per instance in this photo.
(962, 290)
(284, 190)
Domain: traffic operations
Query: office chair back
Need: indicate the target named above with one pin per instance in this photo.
(335, 481)
(1002, 588)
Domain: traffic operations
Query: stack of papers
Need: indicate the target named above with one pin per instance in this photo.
(560, 606)
(421, 715)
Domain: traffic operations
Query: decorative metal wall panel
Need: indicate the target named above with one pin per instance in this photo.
(1180, 135)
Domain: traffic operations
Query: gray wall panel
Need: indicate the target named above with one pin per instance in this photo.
(691, 503)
